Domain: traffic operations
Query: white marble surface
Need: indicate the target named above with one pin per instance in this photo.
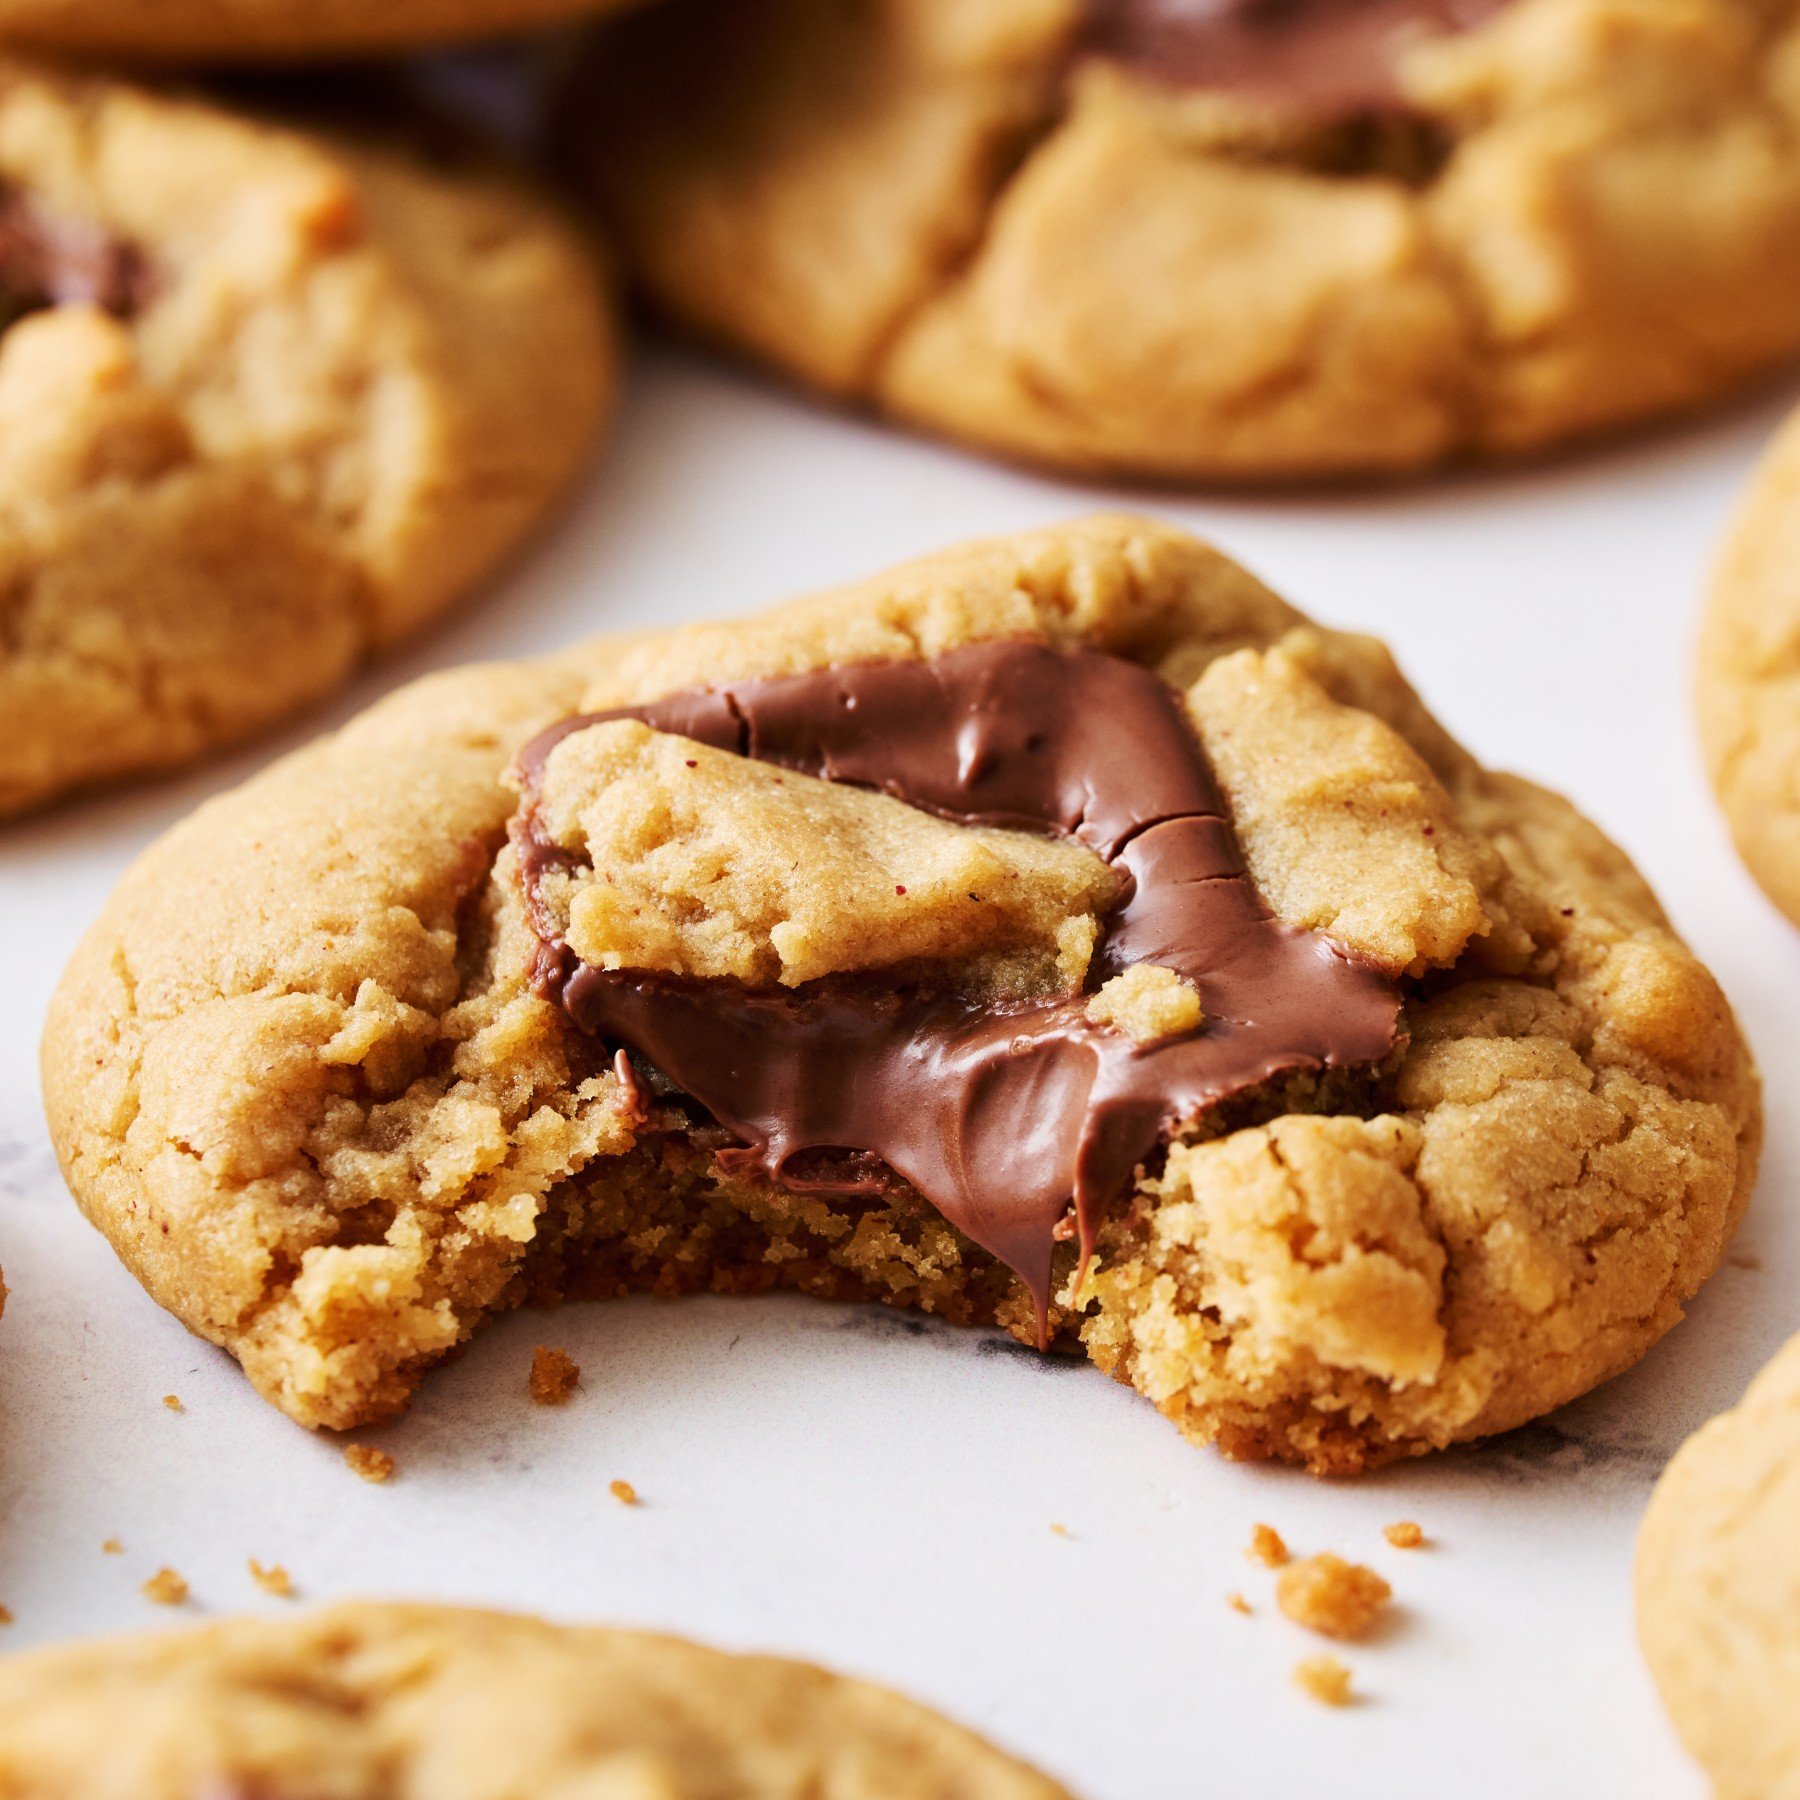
(879, 1492)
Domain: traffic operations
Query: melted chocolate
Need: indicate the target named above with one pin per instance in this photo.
(1002, 1116)
(1331, 57)
(50, 261)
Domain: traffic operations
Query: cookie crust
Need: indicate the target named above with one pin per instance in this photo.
(365, 1699)
(1747, 682)
(355, 380)
(1590, 217)
(1717, 1581)
(298, 1073)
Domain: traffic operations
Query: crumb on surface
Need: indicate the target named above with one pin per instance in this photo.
(112, 1547)
(1325, 1679)
(166, 1588)
(554, 1374)
(623, 1492)
(368, 1462)
(1060, 1529)
(173, 1402)
(6, 1615)
(1238, 1603)
(1404, 1534)
(272, 1580)
(1335, 1598)
(1147, 1003)
(1266, 1547)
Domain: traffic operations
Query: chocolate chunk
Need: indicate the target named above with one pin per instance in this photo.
(1331, 58)
(1001, 1115)
(48, 260)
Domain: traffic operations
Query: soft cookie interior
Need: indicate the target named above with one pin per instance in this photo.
(306, 1074)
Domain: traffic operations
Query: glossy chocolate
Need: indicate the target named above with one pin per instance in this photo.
(1002, 1116)
(1331, 57)
(46, 261)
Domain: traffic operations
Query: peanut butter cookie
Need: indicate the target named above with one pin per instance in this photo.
(363, 1701)
(1218, 241)
(1748, 685)
(268, 401)
(1718, 1589)
(1057, 933)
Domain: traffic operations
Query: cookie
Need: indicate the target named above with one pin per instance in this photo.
(268, 401)
(365, 1700)
(1718, 1589)
(1231, 241)
(1748, 675)
(1057, 933)
(236, 30)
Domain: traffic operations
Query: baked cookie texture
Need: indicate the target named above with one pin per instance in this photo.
(1718, 1589)
(1579, 214)
(268, 401)
(1747, 682)
(237, 30)
(365, 1700)
(301, 1074)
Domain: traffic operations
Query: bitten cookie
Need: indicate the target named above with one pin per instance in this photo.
(1718, 1589)
(268, 401)
(363, 1701)
(1218, 241)
(1748, 682)
(1058, 932)
(237, 30)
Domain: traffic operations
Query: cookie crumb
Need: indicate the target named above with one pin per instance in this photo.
(554, 1374)
(1266, 1547)
(623, 1492)
(173, 1403)
(166, 1588)
(368, 1462)
(1328, 1595)
(1061, 1531)
(6, 1615)
(1325, 1679)
(1239, 1604)
(272, 1580)
(112, 1547)
(1404, 1534)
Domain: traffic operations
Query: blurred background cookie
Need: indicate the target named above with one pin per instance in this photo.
(269, 400)
(1225, 241)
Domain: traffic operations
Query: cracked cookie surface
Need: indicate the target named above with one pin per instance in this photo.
(365, 1700)
(1718, 1589)
(990, 221)
(268, 401)
(1747, 684)
(306, 1076)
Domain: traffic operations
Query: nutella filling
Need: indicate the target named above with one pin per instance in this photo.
(1002, 1116)
(48, 261)
(1326, 57)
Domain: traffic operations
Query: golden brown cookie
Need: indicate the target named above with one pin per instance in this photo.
(1057, 893)
(236, 30)
(365, 1700)
(268, 401)
(1718, 1589)
(1218, 242)
(1748, 683)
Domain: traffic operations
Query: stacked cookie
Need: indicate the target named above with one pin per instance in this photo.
(1059, 934)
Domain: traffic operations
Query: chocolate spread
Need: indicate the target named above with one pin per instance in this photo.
(1335, 57)
(1002, 1116)
(47, 261)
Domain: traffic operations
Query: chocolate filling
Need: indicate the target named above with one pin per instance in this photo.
(1000, 1115)
(48, 260)
(1334, 58)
